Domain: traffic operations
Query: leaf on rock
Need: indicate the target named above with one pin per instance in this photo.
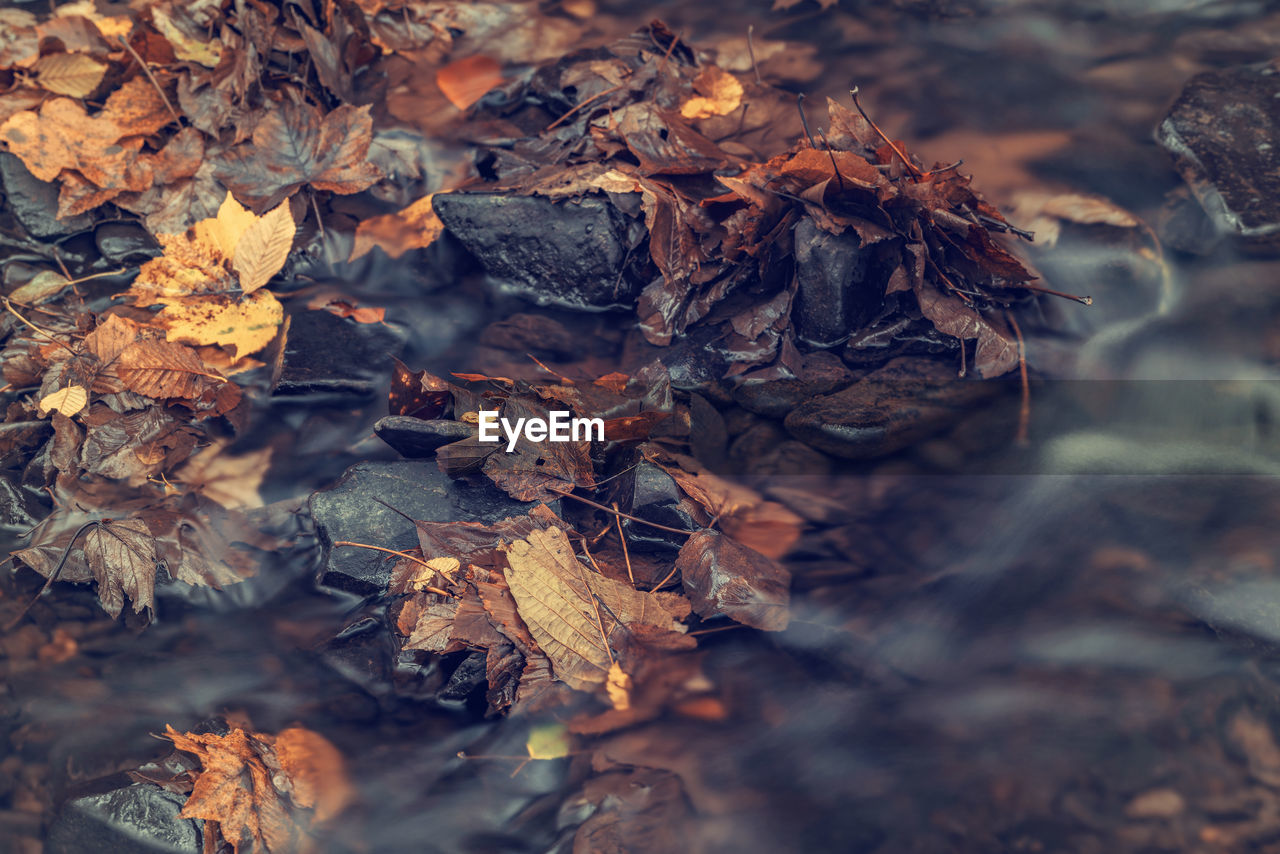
(248, 325)
(162, 370)
(245, 778)
(263, 248)
(73, 74)
(68, 401)
(721, 576)
(997, 350)
(572, 612)
(122, 557)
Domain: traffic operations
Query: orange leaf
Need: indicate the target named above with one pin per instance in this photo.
(467, 80)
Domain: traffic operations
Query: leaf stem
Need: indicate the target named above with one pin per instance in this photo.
(151, 77)
(8, 305)
(399, 554)
(637, 519)
(53, 576)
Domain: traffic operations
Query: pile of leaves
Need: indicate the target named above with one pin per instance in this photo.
(559, 604)
(254, 790)
(133, 392)
(676, 142)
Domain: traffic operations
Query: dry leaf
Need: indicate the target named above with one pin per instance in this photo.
(467, 80)
(263, 248)
(68, 401)
(122, 557)
(185, 47)
(73, 74)
(162, 370)
(414, 227)
(248, 324)
(618, 687)
(720, 94)
(315, 770)
(230, 480)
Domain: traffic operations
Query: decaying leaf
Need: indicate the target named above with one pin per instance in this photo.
(160, 369)
(465, 81)
(254, 786)
(122, 557)
(248, 325)
(230, 480)
(414, 227)
(573, 612)
(67, 401)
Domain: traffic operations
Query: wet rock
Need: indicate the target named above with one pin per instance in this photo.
(349, 511)
(527, 333)
(416, 438)
(1183, 225)
(364, 653)
(140, 818)
(835, 290)
(655, 496)
(35, 203)
(766, 449)
(125, 242)
(822, 373)
(19, 508)
(327, 354)
(1224, 135)
(891, 408)
(571, 253)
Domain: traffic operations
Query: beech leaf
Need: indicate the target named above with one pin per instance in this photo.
(68, 401)
(162, 370)
(73, 74)
(263, 248)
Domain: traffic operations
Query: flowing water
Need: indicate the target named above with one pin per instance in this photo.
(1011, 659)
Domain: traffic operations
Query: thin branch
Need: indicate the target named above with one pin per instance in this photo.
(637, 519)
(151, 77)
(399, 554)
(53, 576)
(14, 312)
(626, 555)
(915, 170)
(594, 97)
(751, 51)
(1024, 410)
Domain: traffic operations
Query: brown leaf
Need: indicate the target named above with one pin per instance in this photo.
(122, 557)
(721, 576)
(73, 74)
(263, 248)
(719, 93)
(162, 370)
(466, 81)
(315, 770)
(293, 145)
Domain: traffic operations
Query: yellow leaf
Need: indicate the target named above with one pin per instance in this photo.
(548, 741)
(720, 94)
(42, 286)
(72, 74)
(223, 232)
(618, 687)
(68, 401)
(263, 248)
(248, 324)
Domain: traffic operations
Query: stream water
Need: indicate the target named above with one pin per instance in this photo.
(1051, 652)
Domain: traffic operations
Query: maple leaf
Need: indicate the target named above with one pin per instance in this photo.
(294, 146)
(245, 777)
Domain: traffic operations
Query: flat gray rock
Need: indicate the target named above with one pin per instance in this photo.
(349, 511)
(1224, 135)
(140, 818)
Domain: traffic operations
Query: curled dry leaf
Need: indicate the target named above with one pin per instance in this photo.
(68, 401)
(721, 576)
(254, 786)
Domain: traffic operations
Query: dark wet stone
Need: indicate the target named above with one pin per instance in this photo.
(417, 488)
(655, 496)
(1224, 135)
(822, 373)
(416, 438)
(125, 242)
(766, 449)
(834, 288)
(571, 253)
(364, 653)
(695, 363)
(327, 354)
(140, 818)
(890, 409)
(525, 333)
(35, 203)
(18, 507)
(469, 675)
(1183, 225)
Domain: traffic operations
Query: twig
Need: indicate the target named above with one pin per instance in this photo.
(751, 51)
(588, 501)
(399, 554)
(915, 170)
(663, 583)
(151, 77)
(53, 576)
(626, 555)
(324, 242)
(832, 155)
(804, 123)
(1024, 410)
(14, 312)
(597, 96)
(1082, 300)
